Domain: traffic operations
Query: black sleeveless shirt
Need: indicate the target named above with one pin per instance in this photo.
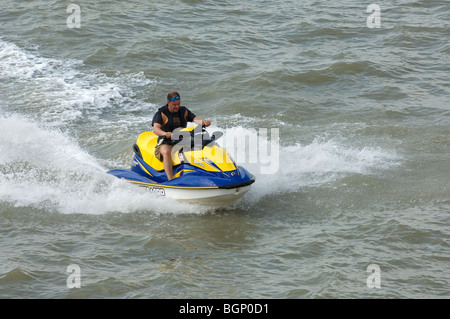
(170, 121)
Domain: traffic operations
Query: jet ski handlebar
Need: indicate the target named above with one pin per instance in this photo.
(197, 137)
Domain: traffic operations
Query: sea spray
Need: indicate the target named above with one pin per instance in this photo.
(305, 165)
(45, 169)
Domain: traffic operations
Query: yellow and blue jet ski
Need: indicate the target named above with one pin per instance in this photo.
(203, 171)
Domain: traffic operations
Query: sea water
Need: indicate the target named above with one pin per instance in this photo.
(347, 105)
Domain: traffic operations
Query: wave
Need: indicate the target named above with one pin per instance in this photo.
(45, 163)
(63, 92)
(44, 168)
(290, 168)
(16, 275)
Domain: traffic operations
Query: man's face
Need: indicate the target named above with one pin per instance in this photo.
(174, 106)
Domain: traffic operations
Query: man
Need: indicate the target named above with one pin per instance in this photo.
(168, 118)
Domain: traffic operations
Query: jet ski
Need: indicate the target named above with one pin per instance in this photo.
(204, 173)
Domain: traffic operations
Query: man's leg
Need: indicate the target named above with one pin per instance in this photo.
(166, 153)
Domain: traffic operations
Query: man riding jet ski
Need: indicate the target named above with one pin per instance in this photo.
(195, 169)
(168, 118)
(204, 173)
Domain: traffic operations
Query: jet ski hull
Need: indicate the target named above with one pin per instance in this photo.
(219, 196)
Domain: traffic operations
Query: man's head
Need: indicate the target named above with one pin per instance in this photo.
(173, 101)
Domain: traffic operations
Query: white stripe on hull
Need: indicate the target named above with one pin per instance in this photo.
(205, 196)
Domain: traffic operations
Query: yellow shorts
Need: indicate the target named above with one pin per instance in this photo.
(158, 153)
(158, 148)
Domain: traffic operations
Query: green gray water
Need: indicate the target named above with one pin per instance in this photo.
(364, 146)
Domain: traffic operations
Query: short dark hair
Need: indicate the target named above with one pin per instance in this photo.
(172, 94)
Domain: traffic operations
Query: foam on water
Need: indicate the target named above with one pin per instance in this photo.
(43, 166)
(45, 169)
(61, 90)
(297, 166)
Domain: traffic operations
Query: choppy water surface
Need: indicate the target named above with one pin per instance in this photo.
(362, 175)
